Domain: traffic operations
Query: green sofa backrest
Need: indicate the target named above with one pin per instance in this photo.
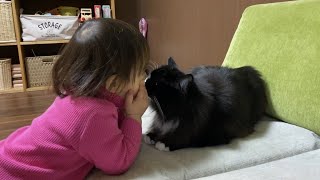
(282, 41)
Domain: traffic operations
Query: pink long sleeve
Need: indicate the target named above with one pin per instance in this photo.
(70, 138)
(111, 149)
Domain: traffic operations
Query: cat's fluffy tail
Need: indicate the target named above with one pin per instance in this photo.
(257, 87)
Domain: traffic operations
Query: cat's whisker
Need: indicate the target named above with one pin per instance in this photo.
(152, 111)
(155, 100)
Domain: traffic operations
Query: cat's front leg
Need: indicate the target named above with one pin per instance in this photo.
(165, 144)
(148, 140)
(161, 146)
(176, 140)
(151, 137)
(172, 144)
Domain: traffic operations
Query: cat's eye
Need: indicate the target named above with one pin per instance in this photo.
(156, 84)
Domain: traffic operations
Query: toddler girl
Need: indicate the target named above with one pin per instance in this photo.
(95, 121)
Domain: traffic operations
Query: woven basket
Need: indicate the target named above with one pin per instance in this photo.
(5, 74)
(6, 22)
(39, 70)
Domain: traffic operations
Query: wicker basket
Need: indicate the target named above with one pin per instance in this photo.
(39, 70)
(6, 22)
(5, 74)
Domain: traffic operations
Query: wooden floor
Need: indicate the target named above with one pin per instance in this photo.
(19, 109)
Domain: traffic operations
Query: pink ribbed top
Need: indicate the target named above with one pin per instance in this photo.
(70, 138)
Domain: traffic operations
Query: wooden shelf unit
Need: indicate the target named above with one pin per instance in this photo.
(44, 42)
(21, 45)
(8, 43)
(38, 88)
(12, 90)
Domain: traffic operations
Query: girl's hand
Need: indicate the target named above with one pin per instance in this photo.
(136, 106)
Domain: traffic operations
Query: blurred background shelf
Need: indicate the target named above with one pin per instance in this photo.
(12, 90)
(38, 88)
(19, 50)
(8, 43)
(45, 42)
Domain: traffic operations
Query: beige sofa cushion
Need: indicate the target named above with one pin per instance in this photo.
(271, 141)
(304, 166)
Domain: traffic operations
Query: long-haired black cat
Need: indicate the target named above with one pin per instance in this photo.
(210, 106)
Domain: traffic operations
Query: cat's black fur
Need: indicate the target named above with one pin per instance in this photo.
(210, 106)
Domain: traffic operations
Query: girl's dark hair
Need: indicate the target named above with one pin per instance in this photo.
(99, 49)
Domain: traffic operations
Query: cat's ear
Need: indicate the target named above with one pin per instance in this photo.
(185, 80)
(172, 63)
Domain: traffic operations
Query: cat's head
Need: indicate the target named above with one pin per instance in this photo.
(167, 86)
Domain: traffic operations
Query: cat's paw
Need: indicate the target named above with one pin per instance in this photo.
(148, 140)
(161, 146)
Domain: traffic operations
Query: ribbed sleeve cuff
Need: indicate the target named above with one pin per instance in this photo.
(132, 129)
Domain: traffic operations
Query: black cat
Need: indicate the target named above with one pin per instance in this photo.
(210, 106)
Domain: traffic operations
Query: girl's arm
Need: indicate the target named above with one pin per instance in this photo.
(109, 148)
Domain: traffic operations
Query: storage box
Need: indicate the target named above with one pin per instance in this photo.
(44, 27)
(7, 33)
(5, 74)
(39, 70)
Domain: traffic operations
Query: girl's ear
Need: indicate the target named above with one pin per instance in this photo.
(110, 81)
(172, 63)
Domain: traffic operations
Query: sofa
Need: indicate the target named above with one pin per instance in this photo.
(282, 41)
